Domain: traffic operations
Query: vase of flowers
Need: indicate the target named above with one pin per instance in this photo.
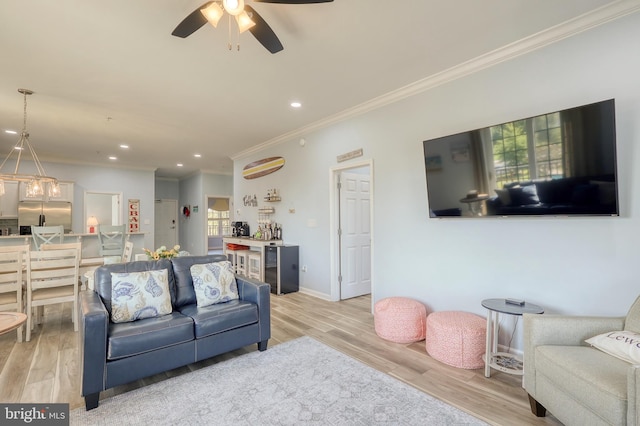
(162, 252)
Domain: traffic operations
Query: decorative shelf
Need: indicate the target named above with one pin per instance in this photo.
(272, 199)
(266, 210)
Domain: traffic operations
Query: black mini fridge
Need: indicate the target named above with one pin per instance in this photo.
(281, 268)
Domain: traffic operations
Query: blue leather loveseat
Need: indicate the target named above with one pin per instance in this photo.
(117, 353)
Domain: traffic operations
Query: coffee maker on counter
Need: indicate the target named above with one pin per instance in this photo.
(239, 229)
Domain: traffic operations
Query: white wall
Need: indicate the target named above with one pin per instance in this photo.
(573, 266)
(167, 189)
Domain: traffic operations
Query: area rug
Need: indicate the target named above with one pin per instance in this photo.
(298, 382)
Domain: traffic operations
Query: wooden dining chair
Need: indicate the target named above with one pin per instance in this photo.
(111, 239)
(64, 246)
(47, 235)
(11, 283)
(52, 277)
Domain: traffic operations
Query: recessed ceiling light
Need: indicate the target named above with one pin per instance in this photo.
(179, 164)
(113, 157)
(197, 155)
(124, 146)
(296, 104)
(19, 148)
(11, 132)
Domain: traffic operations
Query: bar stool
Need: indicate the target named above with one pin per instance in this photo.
(254, 263)
(241, 261)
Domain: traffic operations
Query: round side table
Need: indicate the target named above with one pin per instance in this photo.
(473, 202)
(503, 361)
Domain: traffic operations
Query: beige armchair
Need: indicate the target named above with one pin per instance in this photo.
(578, 384)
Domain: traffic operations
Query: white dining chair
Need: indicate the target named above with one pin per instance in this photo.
(111, 239)
(11, 266)
(63, 246)
(52, 277)
(47, 235)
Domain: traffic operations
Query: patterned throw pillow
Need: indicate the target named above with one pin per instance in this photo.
(138, 295)
(214, 283)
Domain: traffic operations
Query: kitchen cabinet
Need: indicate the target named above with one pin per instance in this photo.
(9, 201)
(66, 193)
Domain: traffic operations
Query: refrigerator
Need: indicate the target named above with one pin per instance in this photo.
(47, 213)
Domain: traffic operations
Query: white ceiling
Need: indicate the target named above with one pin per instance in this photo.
(109, 72)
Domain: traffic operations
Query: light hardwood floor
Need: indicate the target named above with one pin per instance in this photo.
(46, 369)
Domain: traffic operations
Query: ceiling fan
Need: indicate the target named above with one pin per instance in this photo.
(246, 17)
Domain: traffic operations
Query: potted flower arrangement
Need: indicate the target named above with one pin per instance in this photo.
(162, 253)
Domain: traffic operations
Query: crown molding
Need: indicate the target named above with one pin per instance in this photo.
(577, 25)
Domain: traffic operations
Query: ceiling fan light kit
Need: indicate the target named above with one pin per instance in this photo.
(212, 13)
(246, 18)
(244, 22)
(233, 7)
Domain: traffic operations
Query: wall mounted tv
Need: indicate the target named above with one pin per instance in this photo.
(557, 164)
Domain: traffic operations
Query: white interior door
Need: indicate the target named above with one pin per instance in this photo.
(355, 234)
(166, 223)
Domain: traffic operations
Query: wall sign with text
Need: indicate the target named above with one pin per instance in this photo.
(133, 208)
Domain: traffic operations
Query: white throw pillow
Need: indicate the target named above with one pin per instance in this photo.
(138, 295)
(621, 344)
(214, 283)
(503, 195)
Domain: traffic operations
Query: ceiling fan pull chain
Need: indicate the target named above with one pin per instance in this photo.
(229, 42)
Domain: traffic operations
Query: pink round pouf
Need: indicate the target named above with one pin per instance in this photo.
(400, 319)
(457, 338)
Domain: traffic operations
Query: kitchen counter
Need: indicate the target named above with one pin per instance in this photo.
(90, 245)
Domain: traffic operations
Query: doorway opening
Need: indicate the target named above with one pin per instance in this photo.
(103, 208)
(351, 227)
(218, 223)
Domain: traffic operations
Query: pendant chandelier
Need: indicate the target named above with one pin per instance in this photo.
(37, 183)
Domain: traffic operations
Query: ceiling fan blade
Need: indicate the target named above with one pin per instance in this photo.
(191, 23)
(263, 32)
(293, 1)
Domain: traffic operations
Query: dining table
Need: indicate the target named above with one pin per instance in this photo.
(11, 320)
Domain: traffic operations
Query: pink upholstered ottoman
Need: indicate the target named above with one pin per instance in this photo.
(456, 338)
(400, 319)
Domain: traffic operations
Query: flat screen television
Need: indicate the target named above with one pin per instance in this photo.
(561, 163)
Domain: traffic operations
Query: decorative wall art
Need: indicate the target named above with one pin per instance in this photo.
(134, 215)
(250, 200)
(262, 167)
(433, 163)
(460, 151)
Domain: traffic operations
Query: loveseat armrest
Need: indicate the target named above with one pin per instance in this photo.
(633, 395)
(560, 330)
(258, 292)
(94, 322)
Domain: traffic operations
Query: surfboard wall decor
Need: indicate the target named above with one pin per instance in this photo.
(262, 167)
